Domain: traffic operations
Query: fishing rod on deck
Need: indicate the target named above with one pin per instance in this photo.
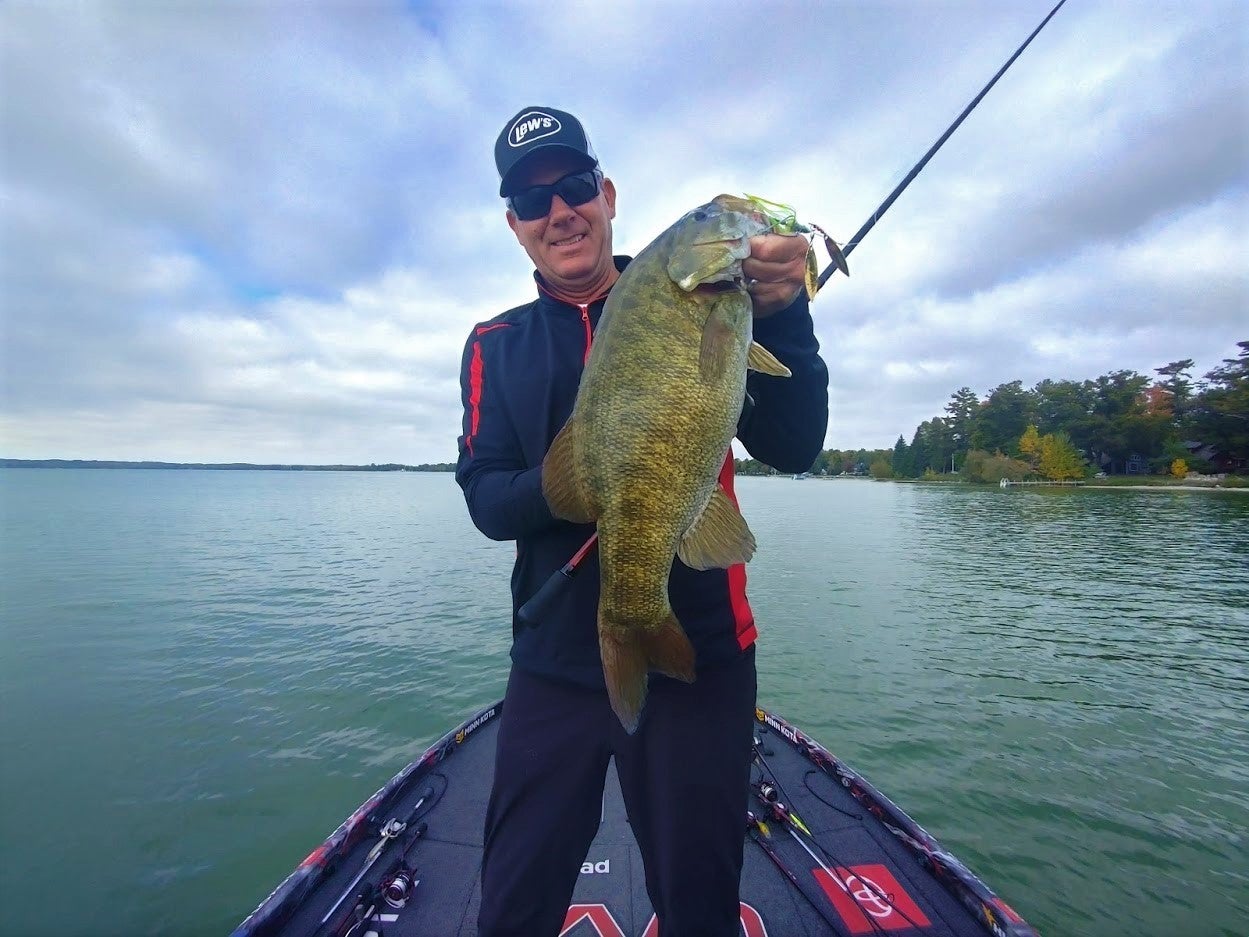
(918, 167)
(532, 611)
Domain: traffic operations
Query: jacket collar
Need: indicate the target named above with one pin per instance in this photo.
(548, 299)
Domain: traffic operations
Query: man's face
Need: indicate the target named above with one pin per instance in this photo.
(571, 247)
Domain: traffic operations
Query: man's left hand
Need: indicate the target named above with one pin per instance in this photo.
(778, 265)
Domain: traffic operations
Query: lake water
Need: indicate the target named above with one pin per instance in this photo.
(202, 673)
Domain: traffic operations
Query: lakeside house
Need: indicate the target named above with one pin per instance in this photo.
(1223, 462)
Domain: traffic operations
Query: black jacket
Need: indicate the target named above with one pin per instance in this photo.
(518, 381)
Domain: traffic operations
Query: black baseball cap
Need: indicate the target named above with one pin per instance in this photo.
(534, 129)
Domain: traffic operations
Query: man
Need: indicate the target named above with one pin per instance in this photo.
(684, 774)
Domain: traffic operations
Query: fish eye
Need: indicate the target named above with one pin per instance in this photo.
(700, 216)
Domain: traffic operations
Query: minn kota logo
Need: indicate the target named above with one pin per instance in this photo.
(473, 726)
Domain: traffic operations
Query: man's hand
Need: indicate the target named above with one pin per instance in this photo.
(777, 264)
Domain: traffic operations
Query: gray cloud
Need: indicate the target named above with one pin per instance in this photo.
(262, 232)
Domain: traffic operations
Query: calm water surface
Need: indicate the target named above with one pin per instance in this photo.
(202, 673)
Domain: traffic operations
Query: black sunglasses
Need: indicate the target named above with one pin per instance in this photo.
(576, 188)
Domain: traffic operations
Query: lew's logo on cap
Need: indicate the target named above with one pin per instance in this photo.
(530, 126)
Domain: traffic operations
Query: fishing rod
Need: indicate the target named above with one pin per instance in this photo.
(918, 167)
(783, 815)
(759, 833)
(394, 887)
(389, 831)
(775, 799)
(532, 611)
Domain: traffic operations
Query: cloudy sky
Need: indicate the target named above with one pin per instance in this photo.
(261, 231)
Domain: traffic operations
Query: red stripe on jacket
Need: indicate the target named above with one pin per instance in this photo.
(475, 371)
(475, 377)
(743, 617)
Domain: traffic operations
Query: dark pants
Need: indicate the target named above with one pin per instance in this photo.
(684, 776)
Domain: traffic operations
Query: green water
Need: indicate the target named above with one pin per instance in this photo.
(202, 673)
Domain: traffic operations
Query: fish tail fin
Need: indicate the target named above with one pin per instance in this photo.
(629, 654)
(668, 649)
(624, 670)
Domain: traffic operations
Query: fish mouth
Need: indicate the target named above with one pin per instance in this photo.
(721, 286)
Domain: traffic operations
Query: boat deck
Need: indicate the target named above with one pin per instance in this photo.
(878, 873)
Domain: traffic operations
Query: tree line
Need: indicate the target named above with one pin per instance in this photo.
(1119, 423)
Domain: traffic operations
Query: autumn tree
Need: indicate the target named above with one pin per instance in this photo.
(1030, 445)
(1059, 459)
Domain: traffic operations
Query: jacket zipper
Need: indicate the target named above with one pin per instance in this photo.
(589, 332)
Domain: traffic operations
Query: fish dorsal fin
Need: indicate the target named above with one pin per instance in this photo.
(562, 484)
(718, 538)
(760, 359)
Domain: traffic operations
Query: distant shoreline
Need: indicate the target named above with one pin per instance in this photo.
(1197, 487)
(1162, 486)
(219, 466)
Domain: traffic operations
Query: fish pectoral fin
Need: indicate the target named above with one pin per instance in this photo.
(562, 484)
(719, 343)
(718, 538)
(630, 653)
(762, 360)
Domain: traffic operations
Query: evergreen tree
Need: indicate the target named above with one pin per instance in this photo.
(963, 407)
(1221, 410)
(902, 462)
(1178, 385)
(1003, 418)
(1065, 405)
(1118, 425)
